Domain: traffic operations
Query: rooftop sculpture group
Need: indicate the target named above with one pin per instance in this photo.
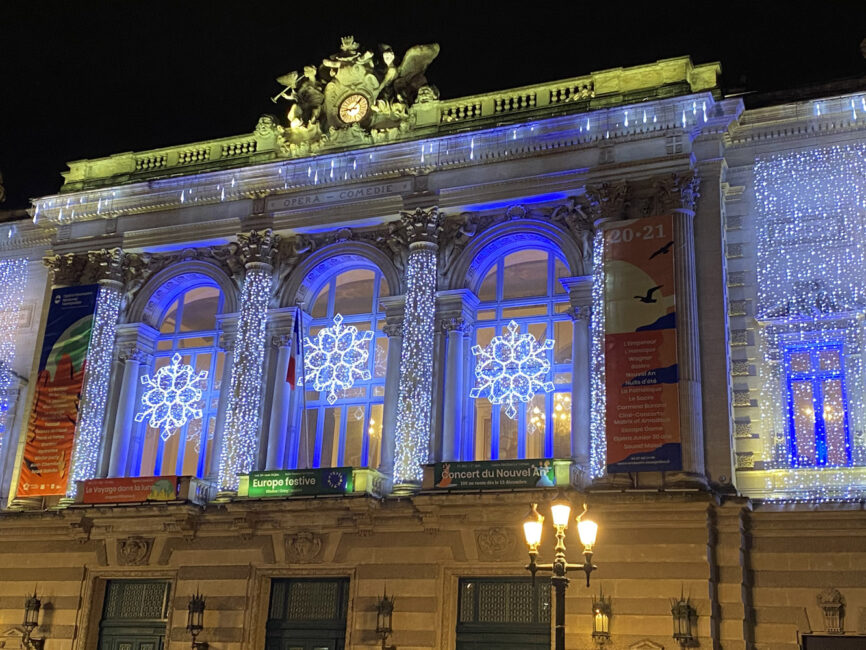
(352, 97)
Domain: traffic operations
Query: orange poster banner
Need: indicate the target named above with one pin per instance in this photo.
(51, 427)
(642, 421)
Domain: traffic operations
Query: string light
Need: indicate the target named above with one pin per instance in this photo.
(811, 252)
(337, 357)
(598, 442)
(13, 278)
(416, 366)
(94, 392)
(512, 368)
(243, 414)
(170, 399)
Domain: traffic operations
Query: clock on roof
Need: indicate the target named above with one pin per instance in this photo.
(354, 108)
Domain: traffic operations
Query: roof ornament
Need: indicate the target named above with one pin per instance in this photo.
(354, 96)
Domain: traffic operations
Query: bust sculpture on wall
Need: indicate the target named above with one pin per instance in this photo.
(354, 96)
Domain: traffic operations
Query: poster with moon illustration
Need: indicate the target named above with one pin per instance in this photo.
(640, 337)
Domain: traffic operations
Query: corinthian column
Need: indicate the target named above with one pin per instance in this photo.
(419, 230)
(243, 414)
(107, 265)
(580, 295)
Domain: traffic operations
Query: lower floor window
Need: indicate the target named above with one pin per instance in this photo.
(503, 614)
(307, 614)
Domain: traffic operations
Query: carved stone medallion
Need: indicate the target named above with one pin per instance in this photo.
(495, 543)
(303, 547)
(134, 551)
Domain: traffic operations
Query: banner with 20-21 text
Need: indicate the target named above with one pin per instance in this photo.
(642, 421)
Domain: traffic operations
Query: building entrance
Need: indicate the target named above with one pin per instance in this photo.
(307, 614)
(504, 614)
(134, 615)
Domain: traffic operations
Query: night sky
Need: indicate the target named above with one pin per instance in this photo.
(87, 79)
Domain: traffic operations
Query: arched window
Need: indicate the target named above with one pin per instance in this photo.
(343, 427)
(522, 286)
(187, 337)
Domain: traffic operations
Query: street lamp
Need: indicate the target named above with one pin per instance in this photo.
(195, 620)
(560, 510)
(32, 605)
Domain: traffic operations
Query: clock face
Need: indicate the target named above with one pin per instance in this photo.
(354, 108)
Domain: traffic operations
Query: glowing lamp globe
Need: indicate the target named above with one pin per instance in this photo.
(587, 529)
(561, 511)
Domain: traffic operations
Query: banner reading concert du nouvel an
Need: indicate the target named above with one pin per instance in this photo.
(640, 338)
(51, 428)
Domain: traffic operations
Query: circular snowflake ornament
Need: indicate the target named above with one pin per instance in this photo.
(511, 369)
(336, 358)
(171, 395)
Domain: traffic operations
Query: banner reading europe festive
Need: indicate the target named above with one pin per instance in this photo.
(51, 428)
(640, 339)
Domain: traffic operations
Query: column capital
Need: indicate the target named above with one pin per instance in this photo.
(393, 329)
(258, 247)
(608, 201)
(420, 225)
(580, 312)
(675, 192)
(134, 352)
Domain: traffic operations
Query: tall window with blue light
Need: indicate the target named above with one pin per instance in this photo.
(345, 358)
(522, 404)
(817, 405)
(180, 394)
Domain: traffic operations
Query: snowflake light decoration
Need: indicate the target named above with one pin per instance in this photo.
(171, 395)
(511, 369)
(336, 358)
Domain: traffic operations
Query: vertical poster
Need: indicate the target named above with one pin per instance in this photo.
(51, 427)
(640, 339)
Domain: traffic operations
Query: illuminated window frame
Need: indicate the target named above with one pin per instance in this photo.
(816, 376)
(348, 405)
(167, 344)
(556, 302)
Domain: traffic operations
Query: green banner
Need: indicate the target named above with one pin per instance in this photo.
(495, 474)
(328, 480)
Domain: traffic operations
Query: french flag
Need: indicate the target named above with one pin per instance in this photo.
(296, 359)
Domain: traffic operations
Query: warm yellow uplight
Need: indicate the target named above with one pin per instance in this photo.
(532, 528)
(561, 511)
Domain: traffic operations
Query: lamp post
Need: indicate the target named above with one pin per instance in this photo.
(560, 510)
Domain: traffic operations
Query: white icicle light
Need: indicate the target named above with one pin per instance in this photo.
(240, 437)
(94, 392)
(13, 278)
(598, 442)
(811, 264)
(416, 368)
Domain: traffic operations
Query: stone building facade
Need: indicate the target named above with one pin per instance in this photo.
(398, 235)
